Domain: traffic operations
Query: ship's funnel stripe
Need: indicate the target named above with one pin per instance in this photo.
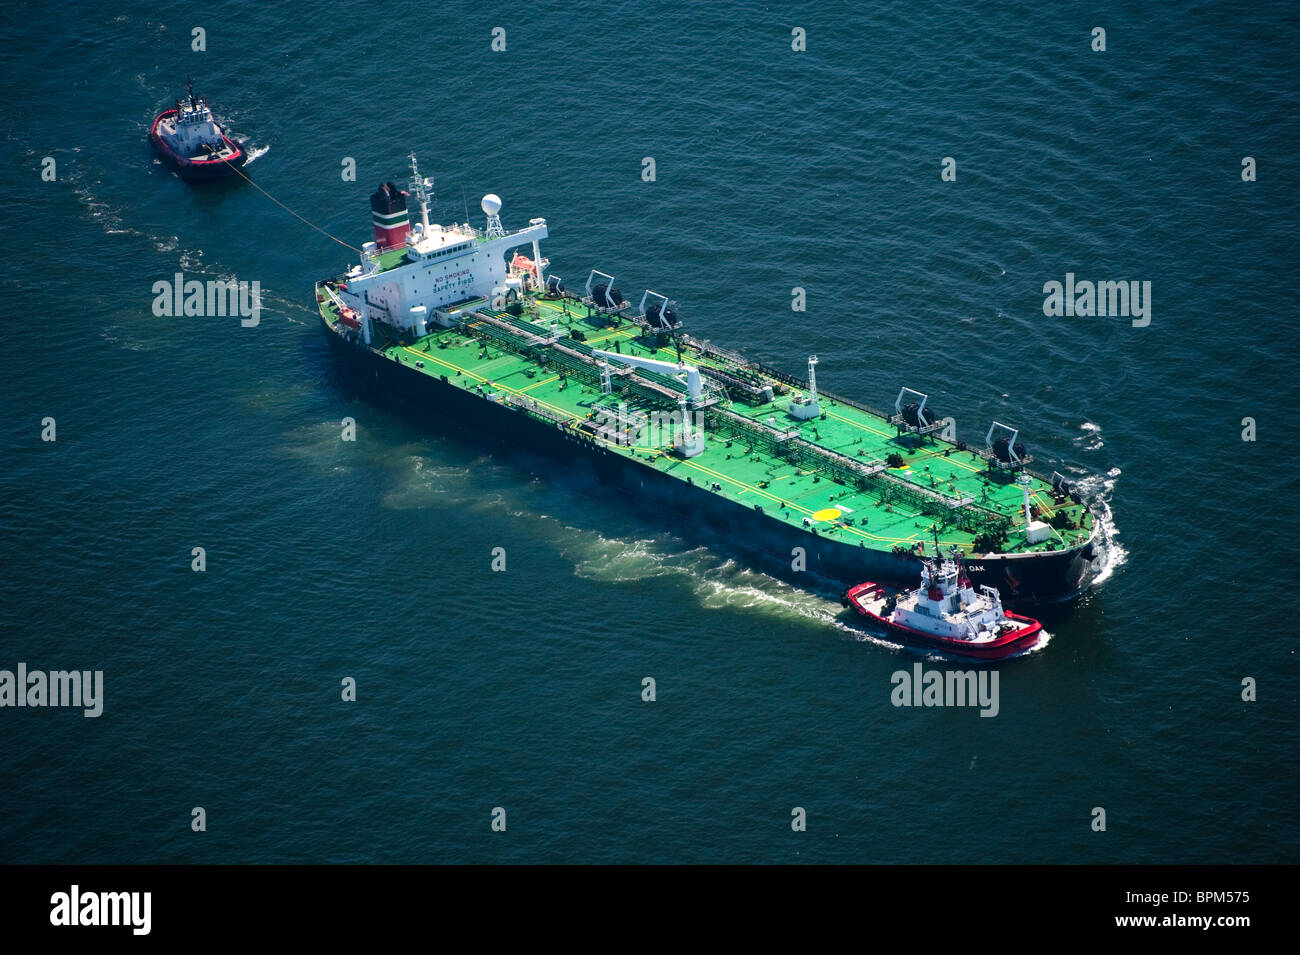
(390, 220)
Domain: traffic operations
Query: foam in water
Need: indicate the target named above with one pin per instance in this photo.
(106, 216)
(1099, 491)
(1090, 440)
(418, 483)
(718, 583)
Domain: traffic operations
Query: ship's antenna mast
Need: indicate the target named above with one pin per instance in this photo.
(1025, 483)
(494, 228)
(422, 188)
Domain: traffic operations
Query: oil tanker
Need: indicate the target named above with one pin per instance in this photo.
(492, 343)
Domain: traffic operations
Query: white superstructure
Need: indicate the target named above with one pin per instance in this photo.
(947, 605)
(442, 265)
(191, 131)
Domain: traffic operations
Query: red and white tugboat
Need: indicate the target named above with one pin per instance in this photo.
(945, 613)
(191, 141)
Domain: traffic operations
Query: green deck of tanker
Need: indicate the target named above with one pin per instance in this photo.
(850, 494)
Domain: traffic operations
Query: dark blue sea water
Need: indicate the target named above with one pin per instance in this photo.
(522, 689)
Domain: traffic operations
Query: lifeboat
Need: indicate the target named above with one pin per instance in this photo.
(522, 263)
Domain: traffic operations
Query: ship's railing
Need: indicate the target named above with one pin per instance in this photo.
(524, 338)
(785, 378)
(518, 322)
(840, 399)
(984, 453)
(533, 407)
(484, 328)
(462, 229)
(659, 378)
(735, 384)
(338, 303)
(576, 358)
(718, 351)
(988, 455)
(659, 389)
(901, 421)
(872, 475)
(623, 311)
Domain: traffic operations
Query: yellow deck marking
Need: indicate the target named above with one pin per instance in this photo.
(885, 434)
(539, 384)
(962, 464)
(616, 333)
(857, 424)
(725, 479)
(427, 356)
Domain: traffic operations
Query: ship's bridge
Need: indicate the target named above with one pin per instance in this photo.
(407, 288)
(438, 241)
(191, 128)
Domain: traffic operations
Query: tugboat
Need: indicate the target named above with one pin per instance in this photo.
(191, 141)
(946, 613)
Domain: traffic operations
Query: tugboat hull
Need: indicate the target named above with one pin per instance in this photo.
(195, 168)
(863, 597)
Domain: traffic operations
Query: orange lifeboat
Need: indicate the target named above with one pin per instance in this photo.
(524, 264)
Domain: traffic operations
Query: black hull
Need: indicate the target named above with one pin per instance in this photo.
(1033, 578)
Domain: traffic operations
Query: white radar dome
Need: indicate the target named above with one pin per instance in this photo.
(491, 204)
